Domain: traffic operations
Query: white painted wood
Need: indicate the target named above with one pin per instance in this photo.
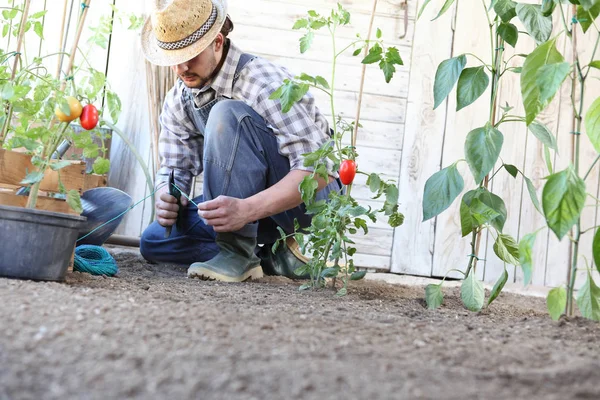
(414, 241)
(450, 250)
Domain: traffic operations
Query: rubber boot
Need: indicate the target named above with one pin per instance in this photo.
(285, 261)
(236, 261)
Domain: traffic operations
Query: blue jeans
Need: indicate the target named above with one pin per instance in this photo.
(241, 158)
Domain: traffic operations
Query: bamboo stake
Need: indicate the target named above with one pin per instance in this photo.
(362, 78)
(86, 6)
(62, 38)
(20, 38)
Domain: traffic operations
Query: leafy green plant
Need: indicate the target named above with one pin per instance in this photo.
(542, 74)
(327, 238)
(38, 108)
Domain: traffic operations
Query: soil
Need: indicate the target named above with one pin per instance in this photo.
(151, 333)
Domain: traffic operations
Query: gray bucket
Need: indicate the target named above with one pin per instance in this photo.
(36, 244)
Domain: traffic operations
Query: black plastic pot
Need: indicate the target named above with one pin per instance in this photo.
(36, 244)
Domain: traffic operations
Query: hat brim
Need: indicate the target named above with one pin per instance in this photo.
(167, 58)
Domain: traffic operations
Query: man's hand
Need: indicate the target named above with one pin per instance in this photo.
(167, 208)
(225, 214)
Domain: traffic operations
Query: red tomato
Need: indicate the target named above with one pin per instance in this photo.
(347, 171)
(89, 117)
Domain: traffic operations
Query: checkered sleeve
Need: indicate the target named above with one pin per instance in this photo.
(301, 130)
(180, 145)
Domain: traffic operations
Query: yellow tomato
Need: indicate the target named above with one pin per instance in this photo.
(74, 106)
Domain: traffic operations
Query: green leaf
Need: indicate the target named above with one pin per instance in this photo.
(474, 212)
(301, 23)
(323, 82)
(526, 256)
(441, 189)
(308, 188)
(330, 272)
(511, 169)
(543, 134)
(586, 18)
(587, 4)
(446, 76)
(538, 26)
(434, 296)
(592, 124)
(596, 249)
(391, 194)
(387, 64)
(549, 79)
(543, 55)
(548, 159)
(548, 7)
(342, 292)
(114, 106)
(556, 302)
(466, 220)
(423, 8)
(41, 92)
(563, 200)
(445, 7)
(396, 220)
(32, 178)
(507, 249)
(472, 293)
(498, 287)
(74, 201)
(7, 91)
(306, 42)
(38, 28)
(378, 34)
(509, 33)
(588, 299)
(39, 14)
(5, 29)
(289, 94)
(595, 64)
(505, 9)
(275, 246)
(56, 166)
(101, 166)
(482, 150)
(357, 52)
(358, 275)
(375, 54)
(318, 24)
(471, 85)
(374, 182)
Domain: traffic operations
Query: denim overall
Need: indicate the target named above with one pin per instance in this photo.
(241, 158)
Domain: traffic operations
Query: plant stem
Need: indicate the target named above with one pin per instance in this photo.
(591, 167)
(575, 157)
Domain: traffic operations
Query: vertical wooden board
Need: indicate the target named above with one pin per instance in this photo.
(558, 254)
(414, 241)
(451, 251)
(127, 80)
(513, 152)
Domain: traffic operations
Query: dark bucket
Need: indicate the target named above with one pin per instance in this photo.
(36, 244)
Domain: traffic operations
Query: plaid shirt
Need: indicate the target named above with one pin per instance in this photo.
(302, 130)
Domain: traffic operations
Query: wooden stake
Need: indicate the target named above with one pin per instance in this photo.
(62, 38)
(20, 38)
(362, 78)
(86, 4)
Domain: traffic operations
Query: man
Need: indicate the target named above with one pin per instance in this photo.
(218, 119)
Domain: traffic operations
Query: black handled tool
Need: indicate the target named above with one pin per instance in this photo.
(173, 191)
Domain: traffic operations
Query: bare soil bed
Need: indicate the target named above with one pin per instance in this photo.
(151, 333)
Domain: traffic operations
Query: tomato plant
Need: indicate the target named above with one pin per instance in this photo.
(347, 171)
(327, 238)
(38, 107)
(89, 117)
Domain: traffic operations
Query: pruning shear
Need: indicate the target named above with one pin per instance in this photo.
(173, 191)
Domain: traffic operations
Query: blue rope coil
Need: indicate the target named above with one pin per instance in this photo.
(94, 260)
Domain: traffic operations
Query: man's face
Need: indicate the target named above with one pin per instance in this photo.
(198, 71)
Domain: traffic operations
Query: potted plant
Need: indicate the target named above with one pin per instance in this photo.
(40, 230)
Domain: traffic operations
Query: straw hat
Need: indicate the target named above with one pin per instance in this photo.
(179, 30)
